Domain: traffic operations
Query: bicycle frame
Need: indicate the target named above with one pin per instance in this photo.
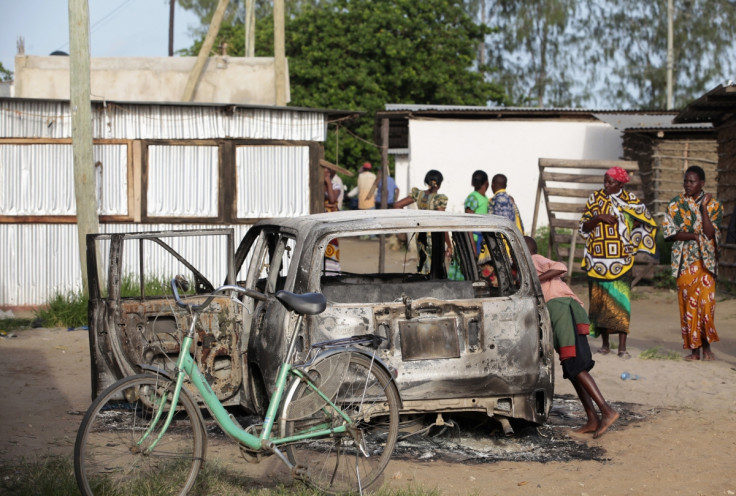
(186, 365)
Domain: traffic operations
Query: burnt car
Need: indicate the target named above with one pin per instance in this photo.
(455, 296)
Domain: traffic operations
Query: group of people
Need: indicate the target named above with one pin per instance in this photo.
(616, 225)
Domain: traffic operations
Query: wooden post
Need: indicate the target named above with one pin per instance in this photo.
(384, 192)
(279, 52)
(172, 8)
(250, 28)
(204, 52)
(81, 110)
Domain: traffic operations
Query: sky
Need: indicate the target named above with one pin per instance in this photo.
(118, 28)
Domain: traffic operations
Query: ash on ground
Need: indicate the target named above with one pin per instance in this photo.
(476, 439)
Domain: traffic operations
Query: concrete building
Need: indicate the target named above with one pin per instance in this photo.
(234, 80)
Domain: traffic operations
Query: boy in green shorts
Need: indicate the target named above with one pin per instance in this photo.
(570, 327)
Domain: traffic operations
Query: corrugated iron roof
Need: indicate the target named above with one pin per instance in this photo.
(716, 106)
(647, 121)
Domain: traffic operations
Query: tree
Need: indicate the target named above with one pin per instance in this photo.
(5, 74)
(628, 39)
(531, 50)
(361, 55)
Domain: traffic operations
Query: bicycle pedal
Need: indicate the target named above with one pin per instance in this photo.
(300, 472)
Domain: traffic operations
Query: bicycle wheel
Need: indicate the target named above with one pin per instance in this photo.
(109, 456)
(352, 461)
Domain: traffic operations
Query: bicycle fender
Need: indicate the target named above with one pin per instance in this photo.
(327, 353)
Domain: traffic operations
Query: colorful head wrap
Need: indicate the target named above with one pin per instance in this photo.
(618, 174)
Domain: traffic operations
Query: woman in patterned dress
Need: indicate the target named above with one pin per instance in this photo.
(615, 225)
(428, 199)
(692, 221)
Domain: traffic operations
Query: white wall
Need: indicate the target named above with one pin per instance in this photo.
(153, 79)
(458, 147)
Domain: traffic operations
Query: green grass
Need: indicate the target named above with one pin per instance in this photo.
(55, 475)
(658, 353)
(70, 309)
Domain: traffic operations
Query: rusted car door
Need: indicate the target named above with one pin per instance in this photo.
(132, 325)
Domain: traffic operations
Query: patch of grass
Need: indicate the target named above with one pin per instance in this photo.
(658, 353)
(15, 324)
(663, 279)
(65, 310)
(55, 475)
(38, 477)
(152, 285)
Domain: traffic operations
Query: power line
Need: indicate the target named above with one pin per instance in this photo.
(103, 19)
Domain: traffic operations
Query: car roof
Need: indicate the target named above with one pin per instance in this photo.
(367, 220)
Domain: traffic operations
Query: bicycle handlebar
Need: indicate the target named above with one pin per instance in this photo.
(181, 281)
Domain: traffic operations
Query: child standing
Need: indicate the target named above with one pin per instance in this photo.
(570, 327)
(477, 202)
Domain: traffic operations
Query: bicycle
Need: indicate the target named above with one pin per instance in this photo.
(338, 423)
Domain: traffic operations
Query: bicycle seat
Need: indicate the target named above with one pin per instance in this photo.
(305, 304)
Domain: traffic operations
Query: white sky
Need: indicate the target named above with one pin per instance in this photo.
(118, 28)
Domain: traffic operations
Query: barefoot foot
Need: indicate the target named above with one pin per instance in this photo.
(584, 429)
(606, 422)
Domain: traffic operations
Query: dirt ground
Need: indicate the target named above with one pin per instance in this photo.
(677, 434)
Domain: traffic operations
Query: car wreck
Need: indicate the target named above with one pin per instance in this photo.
(455, 296)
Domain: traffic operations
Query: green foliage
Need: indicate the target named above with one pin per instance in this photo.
(55, 475)
(37, 477)
(5, 74)
(542, 239)
(65, 310)
(625, 47)
(361, 55)
(531, 50)
(658, 353)
(663, 279)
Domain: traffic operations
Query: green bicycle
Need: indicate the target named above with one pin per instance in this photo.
(336, 416)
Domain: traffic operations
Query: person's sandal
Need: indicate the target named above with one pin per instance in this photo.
(708, 356)
(692, 357)
(624, 355)
(604, 351)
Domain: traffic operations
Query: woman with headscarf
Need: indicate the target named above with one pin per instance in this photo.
(692, 221)
(615, 225)
(428, 199)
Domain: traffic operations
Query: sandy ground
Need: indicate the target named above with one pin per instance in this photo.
(677, 434)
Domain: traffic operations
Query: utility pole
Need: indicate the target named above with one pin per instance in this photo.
(250, 28)
(81, 109)
(172, 8)
(279, 49)
(670, 52)
(204, 51)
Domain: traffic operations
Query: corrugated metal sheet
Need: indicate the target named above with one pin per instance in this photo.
(43, 259)
(43, 119)
(270, 181)
(182, 181)
(34, 119)
(39, 179)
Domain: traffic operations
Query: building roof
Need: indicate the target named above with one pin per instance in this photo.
(716, 106)
(662, 121)
(399, 114)
(332, 114)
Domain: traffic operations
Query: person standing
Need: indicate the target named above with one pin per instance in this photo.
(332, 197)
(392, 191)
(692, 222)
(615, 226)
(502, 203)
(429, 199)
(477, 202)
(363, 190)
